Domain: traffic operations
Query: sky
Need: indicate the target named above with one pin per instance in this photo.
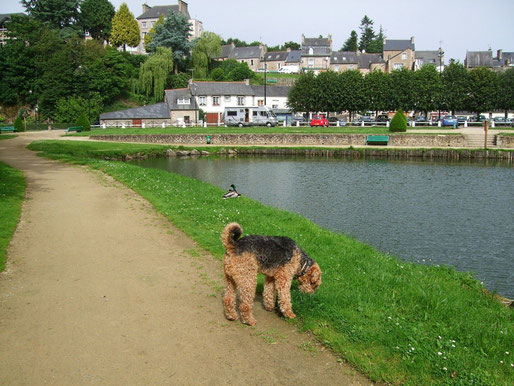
(455, 25)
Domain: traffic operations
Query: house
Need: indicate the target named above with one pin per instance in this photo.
(4, 19)
(343, 60)
(252, 55)
(399, 54)
(150, 16)
(183, 105)
(370, 62)
(294, 58)
(476, 59)
(429, 57)
(316, 53)
(275, 60)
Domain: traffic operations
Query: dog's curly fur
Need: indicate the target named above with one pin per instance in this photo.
(280, 259)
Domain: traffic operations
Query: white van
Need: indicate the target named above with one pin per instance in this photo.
(249, 116)
(289, 70)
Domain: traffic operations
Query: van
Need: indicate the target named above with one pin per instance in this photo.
(289, 70)
(249, 116)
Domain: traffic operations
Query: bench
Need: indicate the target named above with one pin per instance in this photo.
(8, 129)
(377, 139)
(78, 129)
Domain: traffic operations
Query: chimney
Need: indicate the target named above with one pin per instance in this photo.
(182, 7)
(247, 82)
(146, 7)
(412, 39)
(499, 54)
(288, 49)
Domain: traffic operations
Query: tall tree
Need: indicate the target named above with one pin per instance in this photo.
(426, 84)
(367, 33)
(377, 86)
(351, 44)
(454, 87)
(96, 17)
(155, 73)
(377, 44)
(292, 45)
(506, 90)
(149, 35)
(351, 97)
(303, 95)
(402, 92)
(207, 47)
(174, 34)
(55, 13)
(125, 30)
(482, 88)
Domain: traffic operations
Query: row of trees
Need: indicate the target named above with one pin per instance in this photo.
(456, 89)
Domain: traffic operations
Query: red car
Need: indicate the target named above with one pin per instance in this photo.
(319, 120)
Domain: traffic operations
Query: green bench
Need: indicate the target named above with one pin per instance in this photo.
(377, 139)
(78, 129)
(8, 129)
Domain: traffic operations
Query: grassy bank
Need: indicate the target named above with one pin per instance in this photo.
(397, 322)
(12, 190)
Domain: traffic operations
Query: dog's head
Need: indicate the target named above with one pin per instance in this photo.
(310, 280)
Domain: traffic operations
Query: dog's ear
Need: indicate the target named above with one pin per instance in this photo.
(315, 274)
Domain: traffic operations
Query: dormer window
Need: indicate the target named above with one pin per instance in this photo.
(183, 101)
(311, 51)
(404, 56)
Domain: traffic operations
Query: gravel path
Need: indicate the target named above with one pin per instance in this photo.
(100, 289)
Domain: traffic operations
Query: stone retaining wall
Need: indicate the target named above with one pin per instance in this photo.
(417, 140)
(505, 141)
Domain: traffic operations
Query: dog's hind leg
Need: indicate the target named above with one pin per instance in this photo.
(246, 286)
(229, 298)
(268, 294)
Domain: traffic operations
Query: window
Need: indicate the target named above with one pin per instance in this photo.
(404, 56)
(232, 113)
(351, 66)
(184, 101)
(144, 24)
(311, 62)
(260, 102)
(227, 98)
(240, 100)
(274, 106)
(398, 66)
(336, 68)
(215, 100)
(153, 22)
(251, 62)
(311, 51)
(202, 101)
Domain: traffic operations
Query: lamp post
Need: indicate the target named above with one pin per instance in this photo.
(88, 92)
(195, 105)
(440, 54)
(265, 77)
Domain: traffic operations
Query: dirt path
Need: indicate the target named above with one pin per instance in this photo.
(99, 289)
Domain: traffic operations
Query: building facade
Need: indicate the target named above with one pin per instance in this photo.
(399, 54)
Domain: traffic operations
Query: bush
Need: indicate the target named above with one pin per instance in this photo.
(399, 122)
(84, 122)
(18, 124)
(217, 74)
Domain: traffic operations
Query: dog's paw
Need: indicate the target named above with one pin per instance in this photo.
(289, 314)
(250, 322)
(231, 316)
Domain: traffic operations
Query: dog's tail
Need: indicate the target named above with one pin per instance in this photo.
(230, 235)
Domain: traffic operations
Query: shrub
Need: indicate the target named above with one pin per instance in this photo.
(217, 74)
(399, 122)
(18, 124)
(84, 122)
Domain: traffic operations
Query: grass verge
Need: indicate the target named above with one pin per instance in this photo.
(397, 322)
(12, 190)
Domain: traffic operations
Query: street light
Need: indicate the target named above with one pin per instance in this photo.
(88, 92)
(440, 54)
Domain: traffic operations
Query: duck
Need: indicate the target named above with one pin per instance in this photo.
(232, 192)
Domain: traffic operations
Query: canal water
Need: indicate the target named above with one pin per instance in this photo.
(459, 214)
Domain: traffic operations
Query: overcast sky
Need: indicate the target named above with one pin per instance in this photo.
(460, 25)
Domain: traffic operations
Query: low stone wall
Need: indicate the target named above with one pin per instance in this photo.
(416, 140)
(505, 141)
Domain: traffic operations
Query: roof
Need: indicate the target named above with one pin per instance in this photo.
(506, 57)
(173, 95)
(365, 60)
(158, 10)
(222, 88)
(226, 50)
(428, 57)
(343, 57)
(271, 91)
(274, 56)
(294, 56)
(398, 45)
(479, 59)
(316, 42)
(316, 46)
(252, 52)
(156, 111)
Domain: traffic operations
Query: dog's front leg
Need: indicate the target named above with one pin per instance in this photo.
(268, 294)
(283, 285)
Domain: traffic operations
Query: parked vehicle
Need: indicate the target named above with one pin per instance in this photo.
(480, 118)
(319, 120)
(382, 118)
(342, 122)
(501, 121)
(289, 70)
(449, 120)
(332, 121)
(249, 116)
(298, 118)
(364, 118)
(461, 119)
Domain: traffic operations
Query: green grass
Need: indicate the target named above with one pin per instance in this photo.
(397, 322)
(12, 190)
(7, 136)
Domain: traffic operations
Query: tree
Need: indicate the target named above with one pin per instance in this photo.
(482, 88)
(149, 35)
(351, 94)
(377, 44)
(155, 73)
(55, 13)
(402, 93)
(303, 94)
(241, 72)
(83, 121)
(426, 84)
(291, 45)
(377, 90)
(125, 30)
(367, 33)
(506, 90)
(96, 17)
(18, 124)
(69, 109)
(173, 34)
(399, 122)
(330, 91)
(454, 87)
(351, 43)
(207, 47)
(217, 74)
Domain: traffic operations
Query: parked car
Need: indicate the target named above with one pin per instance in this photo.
(382, 118)
(298, 118)
(364, 118)
(461, 119)
(501, 121)
(449, 120)
(422, 120)
(319, 120)
(480, 118)
(342, 122)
